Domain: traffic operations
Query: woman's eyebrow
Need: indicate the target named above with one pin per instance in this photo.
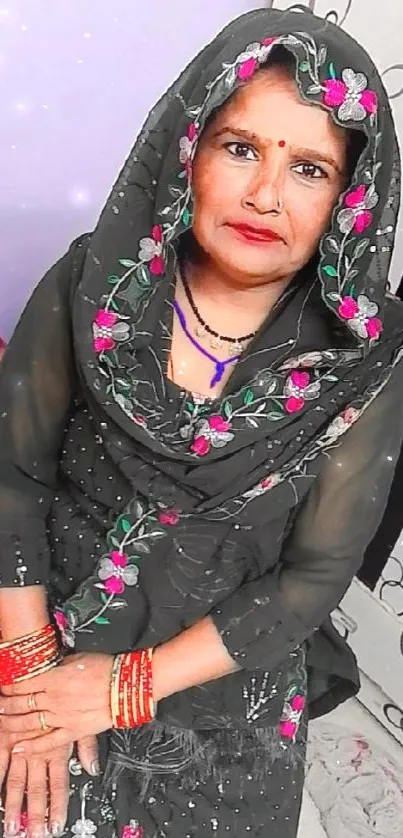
(319, 156)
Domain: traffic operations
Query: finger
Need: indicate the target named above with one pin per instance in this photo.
(4, 763)
(29, 722)
(87, 751)
(22, 704)
(44, 744)
(37, 803)
(15, 790)
(58, 774)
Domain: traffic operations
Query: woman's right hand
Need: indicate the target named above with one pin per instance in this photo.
(44, 781)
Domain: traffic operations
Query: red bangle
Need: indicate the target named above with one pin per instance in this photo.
(28, 656)
(132, 702)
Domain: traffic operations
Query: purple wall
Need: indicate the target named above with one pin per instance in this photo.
(76, 81)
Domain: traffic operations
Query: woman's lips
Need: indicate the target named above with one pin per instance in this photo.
(255, 234)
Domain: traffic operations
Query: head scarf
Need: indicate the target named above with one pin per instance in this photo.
(330, 342)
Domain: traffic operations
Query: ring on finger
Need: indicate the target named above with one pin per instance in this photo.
(32, 702)
(42, 720)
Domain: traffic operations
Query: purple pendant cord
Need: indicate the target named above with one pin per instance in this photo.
(219, 365)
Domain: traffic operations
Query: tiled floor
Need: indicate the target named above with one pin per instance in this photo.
(354, 785)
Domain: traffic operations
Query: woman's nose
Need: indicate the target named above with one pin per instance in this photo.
(266, 192)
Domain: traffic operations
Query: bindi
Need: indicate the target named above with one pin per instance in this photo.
(281, 144)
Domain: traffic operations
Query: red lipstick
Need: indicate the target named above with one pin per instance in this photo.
(256, 234)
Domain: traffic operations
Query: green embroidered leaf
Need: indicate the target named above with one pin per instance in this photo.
(274, 417)
(304, 67)
(101, 621)
(248, 397)
(125, 524)
(104, 597)
(227, 410)
(332, 71)
(114, 541)
(112, 279)
(190, 407)
(352, 291)
(186, 217)
(114, 305)
(182, 174)
(329, 270)
(335, 298)
(127, 263)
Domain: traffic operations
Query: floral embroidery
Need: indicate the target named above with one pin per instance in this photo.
(361, 316)
(169, 517)
(214, 431)
(108, 330)
(133, 830)
(151, 250)
(351, 96)
(65, 623)
(358, 215)
(186, 148)
(84, 828)
(117, 572)
(249, 60)
(291, 716)
(299, 389)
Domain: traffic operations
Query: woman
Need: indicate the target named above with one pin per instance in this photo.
(198, 397)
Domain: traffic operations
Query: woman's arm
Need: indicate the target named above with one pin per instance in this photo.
(36, 386)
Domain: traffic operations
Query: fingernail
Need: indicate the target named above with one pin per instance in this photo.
(18, 749)
(95, 768)
(56, 829)
(11, 828)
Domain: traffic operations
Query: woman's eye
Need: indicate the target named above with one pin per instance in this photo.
(242, 150)
(310, 170)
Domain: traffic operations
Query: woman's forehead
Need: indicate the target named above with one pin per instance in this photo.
(271, 107)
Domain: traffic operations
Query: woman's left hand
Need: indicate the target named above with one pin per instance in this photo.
(72, 700)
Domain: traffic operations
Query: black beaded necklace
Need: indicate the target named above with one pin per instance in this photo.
(203, 328)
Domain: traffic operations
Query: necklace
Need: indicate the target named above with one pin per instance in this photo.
(220, 366)
(203, 328)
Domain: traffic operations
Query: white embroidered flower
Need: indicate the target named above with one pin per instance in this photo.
(185, 149)
(84, 828)
(149, 249)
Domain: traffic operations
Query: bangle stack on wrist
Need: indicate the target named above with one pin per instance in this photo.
(132, 702)
(28, 656)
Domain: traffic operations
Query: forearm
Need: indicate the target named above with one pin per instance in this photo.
(22, 611)
(194, 657)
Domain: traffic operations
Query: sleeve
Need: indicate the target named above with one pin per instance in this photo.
(36, 385)
(269, 617)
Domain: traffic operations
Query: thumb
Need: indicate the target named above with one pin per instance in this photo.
(87, 751)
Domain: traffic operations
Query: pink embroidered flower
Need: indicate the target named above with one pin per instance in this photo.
(107, 330)
(267, 42)
(298, 703)
(350, 415)
(361, 317)
(151, 251)
(217, 423)
(201, 446)
(358, 215)
(351, 96)
(214, 431)
(169, 517)
(186, 146)
(116, 572)
(299, 389)
(288, 729)
(133, 830)
(138, 420)
(247, 68)
(60, 620)
(266, 483)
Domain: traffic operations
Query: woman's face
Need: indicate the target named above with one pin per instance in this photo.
(266, 146)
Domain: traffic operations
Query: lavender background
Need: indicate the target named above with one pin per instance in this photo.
(77, 78)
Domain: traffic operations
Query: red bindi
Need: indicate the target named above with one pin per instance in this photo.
(281, 143)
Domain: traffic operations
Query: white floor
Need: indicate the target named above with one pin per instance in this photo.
(354, 786)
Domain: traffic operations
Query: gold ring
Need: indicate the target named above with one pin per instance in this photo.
(42, 720)
(32, 702)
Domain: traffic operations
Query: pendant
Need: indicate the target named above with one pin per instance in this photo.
(216, 342)
(235, 349)
(201, 331)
